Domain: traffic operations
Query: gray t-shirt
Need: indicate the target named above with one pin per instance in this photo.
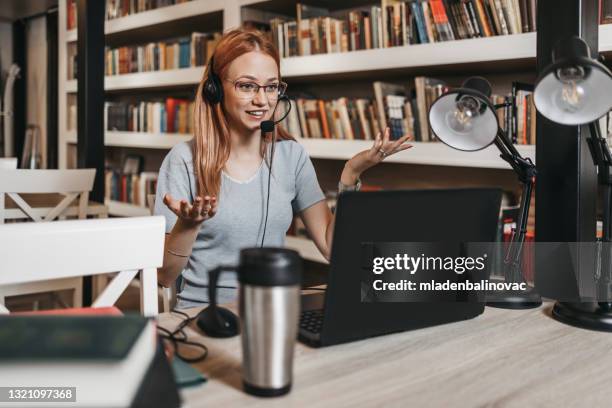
(239, 221)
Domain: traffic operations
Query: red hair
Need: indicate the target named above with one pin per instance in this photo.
(211, 131)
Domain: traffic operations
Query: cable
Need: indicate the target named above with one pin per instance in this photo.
(281, 98)
(176, 341)
(263, 236)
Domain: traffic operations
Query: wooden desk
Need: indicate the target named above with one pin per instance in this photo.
(503, 358)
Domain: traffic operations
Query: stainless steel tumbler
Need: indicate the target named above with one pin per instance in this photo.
(269, 304)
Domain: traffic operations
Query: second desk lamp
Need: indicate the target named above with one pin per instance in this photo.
(575, 89)
(465, 119)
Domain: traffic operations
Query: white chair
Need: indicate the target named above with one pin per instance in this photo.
(71, 185)
(8, 163)
(37, 252)
(41, 196)
(168, 295)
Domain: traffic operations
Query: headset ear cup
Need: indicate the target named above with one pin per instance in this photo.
(219, 88)
(212, 90)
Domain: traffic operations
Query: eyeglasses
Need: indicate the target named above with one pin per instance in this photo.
(248, 89)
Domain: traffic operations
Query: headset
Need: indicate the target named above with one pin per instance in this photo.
(212, 93)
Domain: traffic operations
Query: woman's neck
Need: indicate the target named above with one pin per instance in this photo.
(245, 145)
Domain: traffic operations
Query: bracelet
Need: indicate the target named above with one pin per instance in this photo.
(344, 187)
(177, 254)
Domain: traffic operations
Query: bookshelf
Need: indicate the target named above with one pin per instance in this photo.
(517, 50)
(461, 57)
(156, 17)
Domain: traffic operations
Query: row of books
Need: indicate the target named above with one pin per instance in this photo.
(169, 116)
(129, 188)
(401, 108)
(399, 22)
(182, 52)
(119, 8)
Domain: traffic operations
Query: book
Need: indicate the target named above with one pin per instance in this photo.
(381, 90)
(424, 99)
(307, 21)
(177, 53)
(79, 351)
(387, 20)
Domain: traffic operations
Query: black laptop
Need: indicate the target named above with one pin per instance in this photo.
(338, 315)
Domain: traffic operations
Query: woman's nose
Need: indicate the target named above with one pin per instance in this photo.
(260, 97)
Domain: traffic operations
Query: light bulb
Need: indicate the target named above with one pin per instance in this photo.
(572, 97)
(460, 119)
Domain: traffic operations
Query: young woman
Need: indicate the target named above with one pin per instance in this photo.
(213, 189)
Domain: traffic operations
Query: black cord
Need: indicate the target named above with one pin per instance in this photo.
(263, 236)
(285, 98)
(176, 341)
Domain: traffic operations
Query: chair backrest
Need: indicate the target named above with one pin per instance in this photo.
(72, 184)
(8, 163)
(32, 252)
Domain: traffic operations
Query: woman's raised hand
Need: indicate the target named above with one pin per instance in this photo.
(202, 208)
(381, 148)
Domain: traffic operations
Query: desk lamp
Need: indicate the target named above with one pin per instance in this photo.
(465, 119)
(575, 89)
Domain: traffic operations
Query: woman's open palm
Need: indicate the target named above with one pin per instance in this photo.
(202, 209)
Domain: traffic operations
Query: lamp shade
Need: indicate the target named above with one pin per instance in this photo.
(464, 118)
(575, 89)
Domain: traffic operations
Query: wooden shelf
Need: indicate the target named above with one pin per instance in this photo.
(499, 49)
(71, 137)
(605, 38)
(138, 139)
(154, 79)
(305, 247)
(70, 86)
(71, 35)
(157, 16)
(146, 140)
(437, 154)
(126, 210)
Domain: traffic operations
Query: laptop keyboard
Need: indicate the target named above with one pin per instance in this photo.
(311, 320)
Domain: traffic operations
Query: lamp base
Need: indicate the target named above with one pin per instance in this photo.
(524, 299)
(586, 315)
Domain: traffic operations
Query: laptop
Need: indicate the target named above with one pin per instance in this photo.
(338, 314)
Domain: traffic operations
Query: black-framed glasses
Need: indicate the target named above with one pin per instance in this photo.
(248, 89)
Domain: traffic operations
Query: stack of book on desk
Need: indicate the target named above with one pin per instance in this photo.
(108, 361)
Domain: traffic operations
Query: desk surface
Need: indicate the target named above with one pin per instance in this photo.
(503, 358)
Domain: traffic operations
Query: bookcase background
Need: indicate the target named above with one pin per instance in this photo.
(501, 59)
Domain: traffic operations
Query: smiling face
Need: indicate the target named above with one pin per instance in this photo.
(246, 107)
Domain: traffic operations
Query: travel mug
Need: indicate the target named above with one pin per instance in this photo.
(269, 304)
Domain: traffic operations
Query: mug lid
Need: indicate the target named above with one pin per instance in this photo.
(270, 267)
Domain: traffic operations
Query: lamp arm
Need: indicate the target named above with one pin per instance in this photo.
(523, 167)
(526, 172)
(602, 157)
